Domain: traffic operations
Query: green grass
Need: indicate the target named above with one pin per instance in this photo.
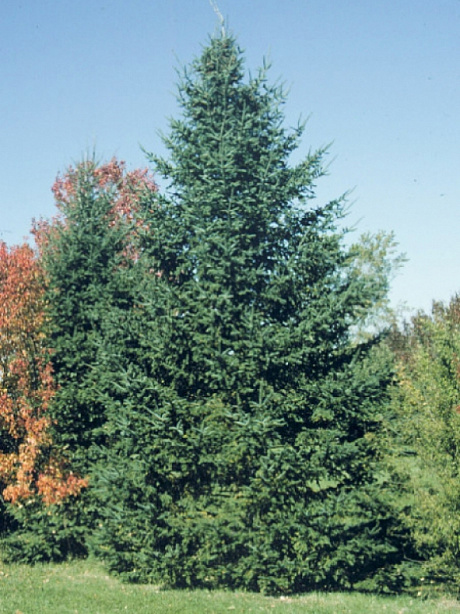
(85, 588)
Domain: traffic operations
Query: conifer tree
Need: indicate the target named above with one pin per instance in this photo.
(88, 253)
(242, 427)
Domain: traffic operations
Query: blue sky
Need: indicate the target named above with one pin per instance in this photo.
(379, 80)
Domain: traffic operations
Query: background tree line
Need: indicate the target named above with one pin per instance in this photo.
(190, 385)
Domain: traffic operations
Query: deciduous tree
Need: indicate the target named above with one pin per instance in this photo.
(30, 466)
(425, 437)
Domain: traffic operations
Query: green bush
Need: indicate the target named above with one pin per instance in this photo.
(45, 533)
(425, 436)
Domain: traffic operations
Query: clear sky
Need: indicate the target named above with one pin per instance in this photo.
(379, 79)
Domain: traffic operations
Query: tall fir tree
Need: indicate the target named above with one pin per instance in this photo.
(243, 425)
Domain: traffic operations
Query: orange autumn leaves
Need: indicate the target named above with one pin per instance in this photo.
(111, 180)
(29, 466)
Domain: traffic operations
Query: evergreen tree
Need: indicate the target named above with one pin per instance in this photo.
(242, 424)
(81, 252)
(89, 253)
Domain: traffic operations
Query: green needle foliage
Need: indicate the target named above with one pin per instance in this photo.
(83, 254)
(240, 443)
(88, 254)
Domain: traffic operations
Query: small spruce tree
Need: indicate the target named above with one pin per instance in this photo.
(88, 253)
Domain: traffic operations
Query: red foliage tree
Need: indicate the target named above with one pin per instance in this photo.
(124, 188)
(29, 465)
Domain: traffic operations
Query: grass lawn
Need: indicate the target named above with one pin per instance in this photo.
(85, 588)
